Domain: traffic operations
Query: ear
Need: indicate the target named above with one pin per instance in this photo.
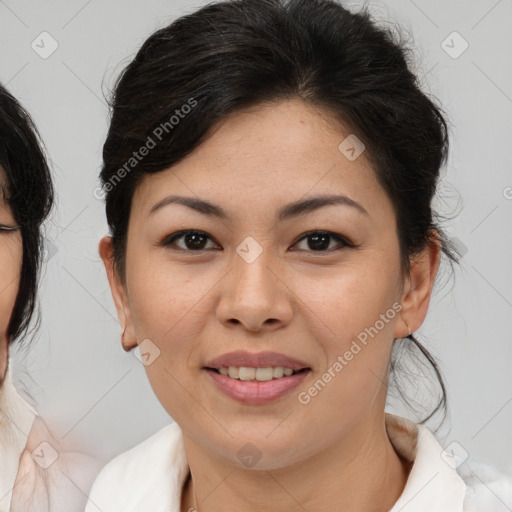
(418, 288)
(118, 289)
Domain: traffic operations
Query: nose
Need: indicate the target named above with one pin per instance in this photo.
(255, 295)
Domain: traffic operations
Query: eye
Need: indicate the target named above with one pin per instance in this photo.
(8, 229)
(319, 241)
(196, 241)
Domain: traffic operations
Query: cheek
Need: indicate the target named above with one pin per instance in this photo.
(163, 301)
(11, 257)
(355, 312)
(350, 300)
(169, 306)
(171, 311)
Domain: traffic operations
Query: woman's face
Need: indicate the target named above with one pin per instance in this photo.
(11, 253)
(256, 282)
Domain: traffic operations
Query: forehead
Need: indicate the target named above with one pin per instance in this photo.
(275, 150)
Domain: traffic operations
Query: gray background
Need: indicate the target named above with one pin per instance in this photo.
(76, 370)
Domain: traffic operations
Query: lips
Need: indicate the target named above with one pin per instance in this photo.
(256, 360)
(254, 392)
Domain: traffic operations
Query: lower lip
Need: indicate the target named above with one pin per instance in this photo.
(257, 392)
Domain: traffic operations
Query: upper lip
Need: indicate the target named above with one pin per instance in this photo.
(255, 360)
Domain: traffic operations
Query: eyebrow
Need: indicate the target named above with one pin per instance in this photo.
(287, 212)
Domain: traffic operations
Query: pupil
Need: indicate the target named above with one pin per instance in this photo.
(315, 239)
(193, 240)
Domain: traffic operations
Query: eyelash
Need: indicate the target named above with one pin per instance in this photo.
(8, 229)
(170, 239)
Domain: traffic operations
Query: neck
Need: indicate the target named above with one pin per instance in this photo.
(361, 471)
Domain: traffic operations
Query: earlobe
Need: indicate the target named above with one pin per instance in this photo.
(406, 324)
(128, 338)
(118, 290)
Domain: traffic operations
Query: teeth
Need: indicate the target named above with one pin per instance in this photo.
(260, 374)
(245, 373)
(277, 372)
(264, 374)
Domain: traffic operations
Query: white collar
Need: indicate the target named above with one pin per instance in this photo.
(433, 484)
(16, 418)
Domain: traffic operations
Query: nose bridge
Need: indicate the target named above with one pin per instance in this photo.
(254, 293)
(253, 281)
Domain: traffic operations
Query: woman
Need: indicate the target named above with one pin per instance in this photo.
(35, 475)
(269, 172)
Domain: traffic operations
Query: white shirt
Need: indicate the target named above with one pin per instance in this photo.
(150, 476)
(16, 419)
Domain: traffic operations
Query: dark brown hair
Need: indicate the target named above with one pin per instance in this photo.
(29, 194)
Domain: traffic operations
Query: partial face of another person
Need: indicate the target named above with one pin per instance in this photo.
(11, 253)
(305, 284)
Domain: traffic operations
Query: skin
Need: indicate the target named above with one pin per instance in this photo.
(11, 254)
(306, 303)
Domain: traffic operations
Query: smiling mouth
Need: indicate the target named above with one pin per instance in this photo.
(245, 373)
(256, 386)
